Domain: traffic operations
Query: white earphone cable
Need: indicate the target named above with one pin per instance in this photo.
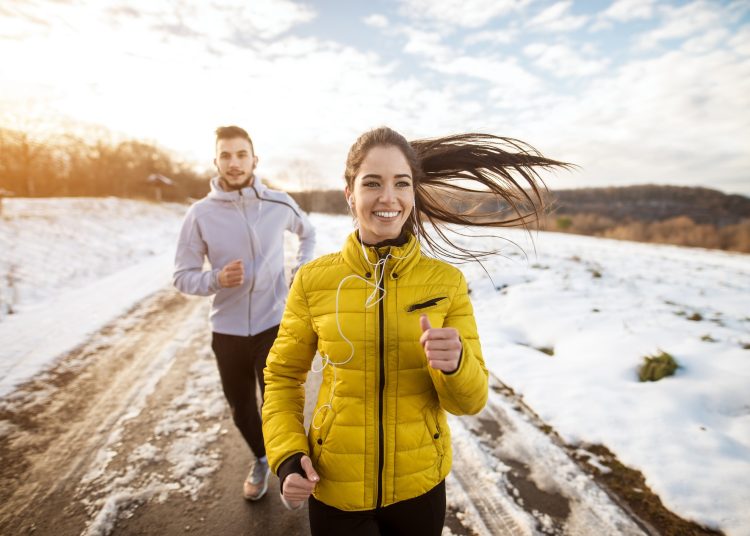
(369, 302)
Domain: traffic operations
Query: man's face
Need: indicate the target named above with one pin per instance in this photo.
(235, 161)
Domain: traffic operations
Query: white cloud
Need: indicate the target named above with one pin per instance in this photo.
(463, 13)
(627, 10)
(301, 96)
(624, 11)
(376, 20)
(561, 61)
(556, 18)
(264, 19)
(511, 85)
(685, 21)
(679, 115)
(740, 42)
(424, 43)
(679, 118)
(706, 41)
(505, 36)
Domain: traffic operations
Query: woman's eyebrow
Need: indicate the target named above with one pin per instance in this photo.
(376, 176)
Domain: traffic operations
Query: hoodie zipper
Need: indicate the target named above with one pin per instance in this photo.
(381, 446)
(252, 258)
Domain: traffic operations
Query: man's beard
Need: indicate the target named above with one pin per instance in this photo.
(232, 187)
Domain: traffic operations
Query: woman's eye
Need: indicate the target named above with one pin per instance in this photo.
(371, 184)
(403, 184)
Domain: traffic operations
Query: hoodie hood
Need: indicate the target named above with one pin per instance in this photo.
(255, 189)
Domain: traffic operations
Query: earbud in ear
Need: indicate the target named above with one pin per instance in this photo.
(350, 201)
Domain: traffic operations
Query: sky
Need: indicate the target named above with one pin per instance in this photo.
(689, 434)
(632, 91)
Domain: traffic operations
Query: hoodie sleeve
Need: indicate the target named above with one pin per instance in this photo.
(189, 276)
(300, 224)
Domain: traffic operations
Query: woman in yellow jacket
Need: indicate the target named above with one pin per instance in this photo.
(396, 333)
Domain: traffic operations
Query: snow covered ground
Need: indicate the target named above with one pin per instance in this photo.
(599, 306)
(69, 266)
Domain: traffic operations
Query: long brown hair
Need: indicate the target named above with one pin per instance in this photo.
(465, 179)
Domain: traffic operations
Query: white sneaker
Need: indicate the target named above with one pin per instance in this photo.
(256, 483)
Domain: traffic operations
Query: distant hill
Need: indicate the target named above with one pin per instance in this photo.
(647, 203)
(652, 203)
(687, 216)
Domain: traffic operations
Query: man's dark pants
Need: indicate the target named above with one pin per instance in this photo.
(241, 361)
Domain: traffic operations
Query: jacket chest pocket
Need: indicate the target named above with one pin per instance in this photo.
(427, 305)
(435, 307)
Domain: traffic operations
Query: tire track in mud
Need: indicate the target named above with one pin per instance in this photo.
(56, 425)
(511, 477)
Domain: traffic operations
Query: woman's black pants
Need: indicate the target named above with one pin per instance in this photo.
(422, 516)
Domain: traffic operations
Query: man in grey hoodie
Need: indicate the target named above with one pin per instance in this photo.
(239, 226)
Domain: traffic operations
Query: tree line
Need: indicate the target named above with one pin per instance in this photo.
(68, 165)
(685, 216)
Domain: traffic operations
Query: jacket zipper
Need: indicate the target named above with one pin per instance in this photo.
(380, 392)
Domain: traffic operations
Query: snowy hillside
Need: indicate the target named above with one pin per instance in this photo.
(566, 327)
(69, 266)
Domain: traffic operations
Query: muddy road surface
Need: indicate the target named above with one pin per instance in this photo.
(129, 434)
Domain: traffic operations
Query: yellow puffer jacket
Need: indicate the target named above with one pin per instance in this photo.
(380, 433)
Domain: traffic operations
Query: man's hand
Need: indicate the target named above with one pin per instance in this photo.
(297, 488)
(442, 346)
(232, 275)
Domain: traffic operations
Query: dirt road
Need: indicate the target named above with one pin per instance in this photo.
(129, 434)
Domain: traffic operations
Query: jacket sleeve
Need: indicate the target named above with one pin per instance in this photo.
(463, 392)
(300, 225)
(189, 276)
(286, 371)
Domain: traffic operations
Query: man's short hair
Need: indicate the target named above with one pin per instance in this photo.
(231, 132)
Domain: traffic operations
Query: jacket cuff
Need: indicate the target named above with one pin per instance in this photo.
(293, 464)
(215, 285)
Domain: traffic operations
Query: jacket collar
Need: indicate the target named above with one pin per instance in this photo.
(402, 258)
(255, 190)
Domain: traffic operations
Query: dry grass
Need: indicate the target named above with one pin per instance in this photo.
(680, 230)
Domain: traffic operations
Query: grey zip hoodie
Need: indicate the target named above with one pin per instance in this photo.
(246, 224)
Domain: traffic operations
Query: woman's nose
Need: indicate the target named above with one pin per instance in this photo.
(386, 195)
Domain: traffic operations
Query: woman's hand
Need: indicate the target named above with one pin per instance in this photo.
(442, 346)
(296, 488)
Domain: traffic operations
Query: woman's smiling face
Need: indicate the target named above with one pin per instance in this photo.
(382, 195)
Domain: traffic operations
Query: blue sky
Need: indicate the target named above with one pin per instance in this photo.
(633, 91)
